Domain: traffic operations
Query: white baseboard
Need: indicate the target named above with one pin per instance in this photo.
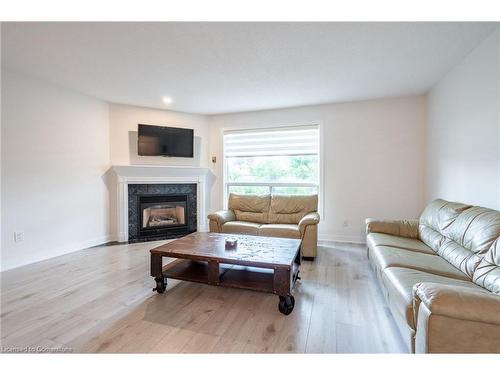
(96, 242)
(324, 239)
(113, 238)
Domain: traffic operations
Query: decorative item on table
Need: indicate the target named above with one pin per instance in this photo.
(231, 243)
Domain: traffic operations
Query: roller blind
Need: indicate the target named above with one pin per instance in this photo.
(297, 140)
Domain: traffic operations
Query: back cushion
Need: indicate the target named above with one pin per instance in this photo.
(476, 229)
(437, 216)
(254, 208)
(460, 233)
(487, 273)
(289, 209)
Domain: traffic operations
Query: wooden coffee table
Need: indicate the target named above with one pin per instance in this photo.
(264, 264)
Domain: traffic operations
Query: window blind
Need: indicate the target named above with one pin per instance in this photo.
(298, 140)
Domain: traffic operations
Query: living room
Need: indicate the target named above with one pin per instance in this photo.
(250, 187)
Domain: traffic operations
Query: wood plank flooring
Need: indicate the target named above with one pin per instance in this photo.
(101, 300)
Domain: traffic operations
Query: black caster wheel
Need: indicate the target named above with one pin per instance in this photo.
(161, 285)
(286, 304)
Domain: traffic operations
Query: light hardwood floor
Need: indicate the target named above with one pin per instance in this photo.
(101, 300)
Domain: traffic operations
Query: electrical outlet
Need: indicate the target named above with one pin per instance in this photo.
(18, 236)
(346, 223)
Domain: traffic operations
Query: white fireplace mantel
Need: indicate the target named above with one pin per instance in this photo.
(138, 174)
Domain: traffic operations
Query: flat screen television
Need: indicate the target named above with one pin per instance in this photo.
(165, 141)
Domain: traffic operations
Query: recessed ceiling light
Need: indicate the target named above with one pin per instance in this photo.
(167, 100)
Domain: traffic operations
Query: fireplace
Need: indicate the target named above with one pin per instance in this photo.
(162, 214)
(161, 211)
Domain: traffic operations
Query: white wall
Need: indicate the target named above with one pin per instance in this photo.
(373, 158)
(123, 121)
(55, 152)
(463, 137)
(123, 135)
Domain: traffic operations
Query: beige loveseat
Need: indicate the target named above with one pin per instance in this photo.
(289, 216)
(441, 276)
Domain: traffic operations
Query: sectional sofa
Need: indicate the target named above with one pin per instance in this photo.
(440, 275)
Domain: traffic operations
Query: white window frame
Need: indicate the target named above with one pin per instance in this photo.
(225, 185)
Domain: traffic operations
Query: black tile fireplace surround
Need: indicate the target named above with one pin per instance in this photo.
(161, 211)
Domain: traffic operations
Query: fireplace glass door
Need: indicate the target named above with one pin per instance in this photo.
(161, 214)
(164, 215)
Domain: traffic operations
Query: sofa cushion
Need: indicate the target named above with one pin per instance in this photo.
(386, 257)
(460, 233)
(280, 230)
(476, 229)
(289, 209)
(440, 214)
(241, 227)
(382, 239)
(253, 208)
(437, 216)
(487, 273)
(399, 283)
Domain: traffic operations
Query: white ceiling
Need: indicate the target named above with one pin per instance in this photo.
(229, 67)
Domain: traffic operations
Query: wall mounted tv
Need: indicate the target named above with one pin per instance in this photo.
(165, 141)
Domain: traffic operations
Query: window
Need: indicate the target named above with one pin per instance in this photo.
(272, 161)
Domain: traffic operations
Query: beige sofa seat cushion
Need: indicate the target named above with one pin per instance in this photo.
(399, 284)
(289, 209)
(386, 257)
(280, 230)
(487, 273)
(382, 239)
(246, 207)
(241, 227)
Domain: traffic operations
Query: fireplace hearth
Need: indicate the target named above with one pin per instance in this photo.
(161, 211)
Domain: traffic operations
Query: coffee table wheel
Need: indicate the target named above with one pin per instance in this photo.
(161, 285)
(286, 304)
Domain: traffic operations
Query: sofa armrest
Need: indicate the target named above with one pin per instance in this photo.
(219, 218)
(459, 302)
(455, 319)
(403, 228)
(312, 218)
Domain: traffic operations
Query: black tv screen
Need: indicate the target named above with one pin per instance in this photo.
(165, 141)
